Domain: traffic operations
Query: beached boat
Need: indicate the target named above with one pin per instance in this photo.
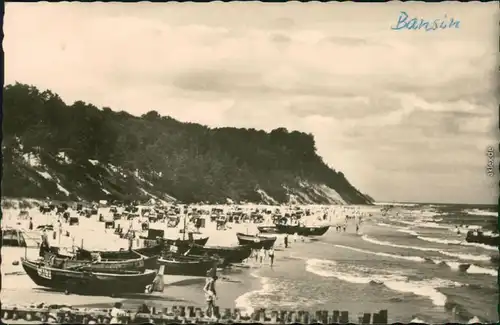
(187, 265)
(475, 236)
(302, 230)
(85, 282)
(268, 229)
(13, 237)
(256, 241)
(139, 263)
(148, 254)
(236, 254)
(183, 242)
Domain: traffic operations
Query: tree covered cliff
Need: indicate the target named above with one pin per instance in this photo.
(78, 151)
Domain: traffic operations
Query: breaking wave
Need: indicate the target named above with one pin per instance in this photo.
(395, 282)
(408, 258)
(462, 256)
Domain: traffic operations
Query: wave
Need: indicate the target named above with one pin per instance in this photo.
(479, 212)
(465, 267)
(424, 224)
(408, 231)
(244, 302)
(474, 269)
(386, 243)
(440, 241)
(425, 288)
(399, 229)
(401, 257)
(466, 257)
(457, 242)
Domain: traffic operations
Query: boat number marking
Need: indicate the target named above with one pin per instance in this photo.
(44, 273)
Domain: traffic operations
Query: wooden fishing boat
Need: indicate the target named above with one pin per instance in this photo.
(13, 237)
(183, 242)
(256, 241)
(268, 229)
(149, 255)
(86, 282)
(302, 230)
(475, 236)
(187, 265)
(139, 263)
(235, 254)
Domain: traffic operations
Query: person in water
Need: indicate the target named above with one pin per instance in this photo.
(210, 294)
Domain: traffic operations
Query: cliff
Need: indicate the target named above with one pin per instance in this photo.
(58, 151)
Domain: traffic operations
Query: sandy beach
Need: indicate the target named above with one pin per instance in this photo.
(234, 282)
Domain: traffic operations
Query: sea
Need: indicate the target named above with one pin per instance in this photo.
(413, 261)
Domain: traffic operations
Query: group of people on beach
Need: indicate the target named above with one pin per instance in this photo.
(343, 227)
(262, 254)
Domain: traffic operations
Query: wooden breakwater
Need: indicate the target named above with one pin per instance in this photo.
(183, 314)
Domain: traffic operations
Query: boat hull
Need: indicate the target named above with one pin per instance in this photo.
(302, 231)
(200, 241)
(150, 253)
(268, 229)
(94, 283)
(256, 242)
(480, 238)
(186, 266)
(230, 254)
(137, 264)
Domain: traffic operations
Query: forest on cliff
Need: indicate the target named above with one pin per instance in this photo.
(78, 151)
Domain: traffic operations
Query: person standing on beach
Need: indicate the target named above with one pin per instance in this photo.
(286, 241)
(210, 295)
(271, 256)
(262, 254)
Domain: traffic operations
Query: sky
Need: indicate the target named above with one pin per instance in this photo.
(406, 115)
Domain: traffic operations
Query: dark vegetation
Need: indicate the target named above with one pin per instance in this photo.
(159, 154)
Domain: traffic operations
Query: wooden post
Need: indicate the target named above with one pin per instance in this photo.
(190, 311)
(305, 317)
(274, 317)
(262, 315)
(236, 315)
(383, 316)
(317, 317)
(283, 316)
(376, 318)
(294, 317)
(366, 318)
(216, 312)
(227, 313)
(335, 316)
(198, 313)
(344, 317)
(324, 317)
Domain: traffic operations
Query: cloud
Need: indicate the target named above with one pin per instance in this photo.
(380, 103)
